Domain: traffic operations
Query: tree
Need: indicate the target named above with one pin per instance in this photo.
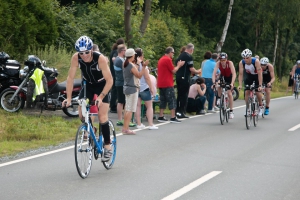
(222, 40)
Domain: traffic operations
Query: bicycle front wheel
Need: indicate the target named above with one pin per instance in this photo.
(222, 110)
(248, 116)
(83, 152)
(113, 145)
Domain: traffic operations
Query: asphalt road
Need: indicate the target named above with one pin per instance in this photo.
(197, 159)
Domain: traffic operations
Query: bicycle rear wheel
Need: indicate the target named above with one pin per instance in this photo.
(113, 145)
(83, 152)
(255, 113)
(248, 116)
(222, 110)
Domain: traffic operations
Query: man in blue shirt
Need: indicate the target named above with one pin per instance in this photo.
(207, 73)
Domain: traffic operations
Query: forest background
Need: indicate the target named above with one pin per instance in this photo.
(49, 28)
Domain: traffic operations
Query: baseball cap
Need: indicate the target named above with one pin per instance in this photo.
(129, 52)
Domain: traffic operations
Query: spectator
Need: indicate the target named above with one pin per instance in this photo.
(112, 57)
(165, 83)
(145, 94)
(196, 98)
(131, 86)
(183, 79)
(119, 83)
(207, 73)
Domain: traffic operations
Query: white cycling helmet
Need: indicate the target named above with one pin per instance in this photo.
(246, 53)
(84, 43)
(298, 62)
(264, 61)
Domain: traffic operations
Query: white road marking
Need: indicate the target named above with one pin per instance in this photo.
(192, 185)
(295, 127)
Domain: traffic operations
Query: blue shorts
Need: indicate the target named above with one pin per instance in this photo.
(145, 95)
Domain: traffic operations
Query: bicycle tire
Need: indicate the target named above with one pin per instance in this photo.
(248, 116)
(255, 113)
(108, 164)
(226, 110)
(222, 110)
(83, 152)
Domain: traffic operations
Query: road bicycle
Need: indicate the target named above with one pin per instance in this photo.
(87, 143)
(252, 107)
(296, 90)
(224, 102)
(263, 91)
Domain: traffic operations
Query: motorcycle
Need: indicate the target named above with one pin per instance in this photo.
(9, 72)
(13, 98)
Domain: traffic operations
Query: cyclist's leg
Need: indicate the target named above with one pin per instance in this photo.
(268, 96)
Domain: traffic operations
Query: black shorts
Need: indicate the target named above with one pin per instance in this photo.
(249, 81)
(120, 94)
(92, 89)
(291, 82)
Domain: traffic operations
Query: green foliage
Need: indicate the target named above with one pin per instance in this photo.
(19, 132)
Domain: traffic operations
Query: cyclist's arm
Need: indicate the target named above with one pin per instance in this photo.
(71, 76)
(271, 69)
(102, 62)
(241, 72)
(232, 72)
(259, 71)
(293, 71)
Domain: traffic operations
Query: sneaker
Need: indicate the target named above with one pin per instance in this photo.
(211, 111)
(260, 112)
(216, 108)
(141, 126)
(132, 124)
(175, 120)
(181, 115)
(218, 102)
(202, 112)
(106, 155)
(153, 127)
(120, 123)
(267, 111)
(162, 119)
(231, 115)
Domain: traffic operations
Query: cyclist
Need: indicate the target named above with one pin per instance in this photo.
(95, 71)
(253, 72)
(268, 79)
(227, 70)
(295, 71)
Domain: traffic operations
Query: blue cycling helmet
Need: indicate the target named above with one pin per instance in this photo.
(84, 43)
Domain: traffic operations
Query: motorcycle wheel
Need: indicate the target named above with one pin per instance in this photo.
(71, 111)
(235, 93)
(16, 104)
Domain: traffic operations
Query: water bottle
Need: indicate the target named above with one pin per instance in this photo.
(156, 97)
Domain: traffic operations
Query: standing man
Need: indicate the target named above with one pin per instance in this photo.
(227, 71)
(183, 78)
(112, 57)
(268, 79)
(207, 73)
(165, 83)
(253, 72)
(295, 71)
(95, 71)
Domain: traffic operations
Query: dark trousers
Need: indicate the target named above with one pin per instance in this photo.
(113, 97)
(183, 87)
(210, 95)
(196, 105)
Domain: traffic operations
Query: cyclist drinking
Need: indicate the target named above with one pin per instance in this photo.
(253, 72)
(227, 70)
(268, 79)
(95, 71)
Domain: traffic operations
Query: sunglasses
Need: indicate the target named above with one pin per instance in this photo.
(247, 57)
(85, 52)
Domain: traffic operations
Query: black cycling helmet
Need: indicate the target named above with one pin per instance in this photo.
(223, 55)
(33, 61)
(3, 57)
